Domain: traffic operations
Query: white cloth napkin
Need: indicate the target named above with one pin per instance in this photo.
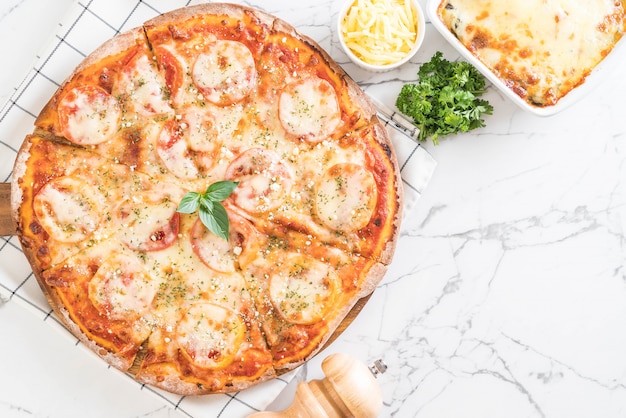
(416, 164)
(85, 27)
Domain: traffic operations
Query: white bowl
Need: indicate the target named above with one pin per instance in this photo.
(570, 98)
(421, 29)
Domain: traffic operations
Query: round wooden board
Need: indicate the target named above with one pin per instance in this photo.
(6, 223)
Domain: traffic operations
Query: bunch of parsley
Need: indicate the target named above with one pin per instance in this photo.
(446, 98)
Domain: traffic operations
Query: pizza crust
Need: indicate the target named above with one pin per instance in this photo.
(169, 379)
(48, 117)
(111, 47)
(360, 137)
(225, 9)
(396, 200)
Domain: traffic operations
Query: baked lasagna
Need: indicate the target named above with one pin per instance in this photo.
(541, 49)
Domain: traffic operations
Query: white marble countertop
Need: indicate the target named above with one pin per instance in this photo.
(507, 294)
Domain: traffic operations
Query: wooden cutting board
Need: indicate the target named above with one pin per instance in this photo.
(6, 224)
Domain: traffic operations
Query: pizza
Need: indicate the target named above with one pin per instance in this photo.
(200, 95)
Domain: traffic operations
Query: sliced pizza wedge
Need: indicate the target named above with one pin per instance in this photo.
(303, 289)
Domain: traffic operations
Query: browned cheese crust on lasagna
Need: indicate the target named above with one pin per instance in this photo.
(541, 49)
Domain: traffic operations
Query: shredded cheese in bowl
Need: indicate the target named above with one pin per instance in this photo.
(381, 33)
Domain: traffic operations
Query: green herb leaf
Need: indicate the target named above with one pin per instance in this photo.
(212, 213)
(220, 190)
(189, 203)
(446, 99)
(218, 221)
(206, 203)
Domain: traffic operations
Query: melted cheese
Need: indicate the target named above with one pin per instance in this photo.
(226, 73)
(302, 289)
(145, 85)
(121, 288)
(264, 180)
(540, 49)
(216, 252)
(210, 335)
(69, 209)
(147, 221)
(188, 144)
(346, 197)
(173, 150)
(309, 109)
(89, 115)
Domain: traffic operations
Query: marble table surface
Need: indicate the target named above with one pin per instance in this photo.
(507, 293)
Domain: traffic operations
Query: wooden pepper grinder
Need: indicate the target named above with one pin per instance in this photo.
(348, 390)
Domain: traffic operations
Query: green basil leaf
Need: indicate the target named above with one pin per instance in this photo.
(220, 190)
(216, 220)
(221, 217)
(212, 213)
(189, 203)
(206, 203)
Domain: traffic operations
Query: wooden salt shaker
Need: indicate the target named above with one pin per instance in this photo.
(348, 390)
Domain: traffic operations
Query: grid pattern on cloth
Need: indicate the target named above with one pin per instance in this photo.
(88, 23)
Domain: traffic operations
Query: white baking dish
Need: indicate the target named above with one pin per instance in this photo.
(572, 97)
